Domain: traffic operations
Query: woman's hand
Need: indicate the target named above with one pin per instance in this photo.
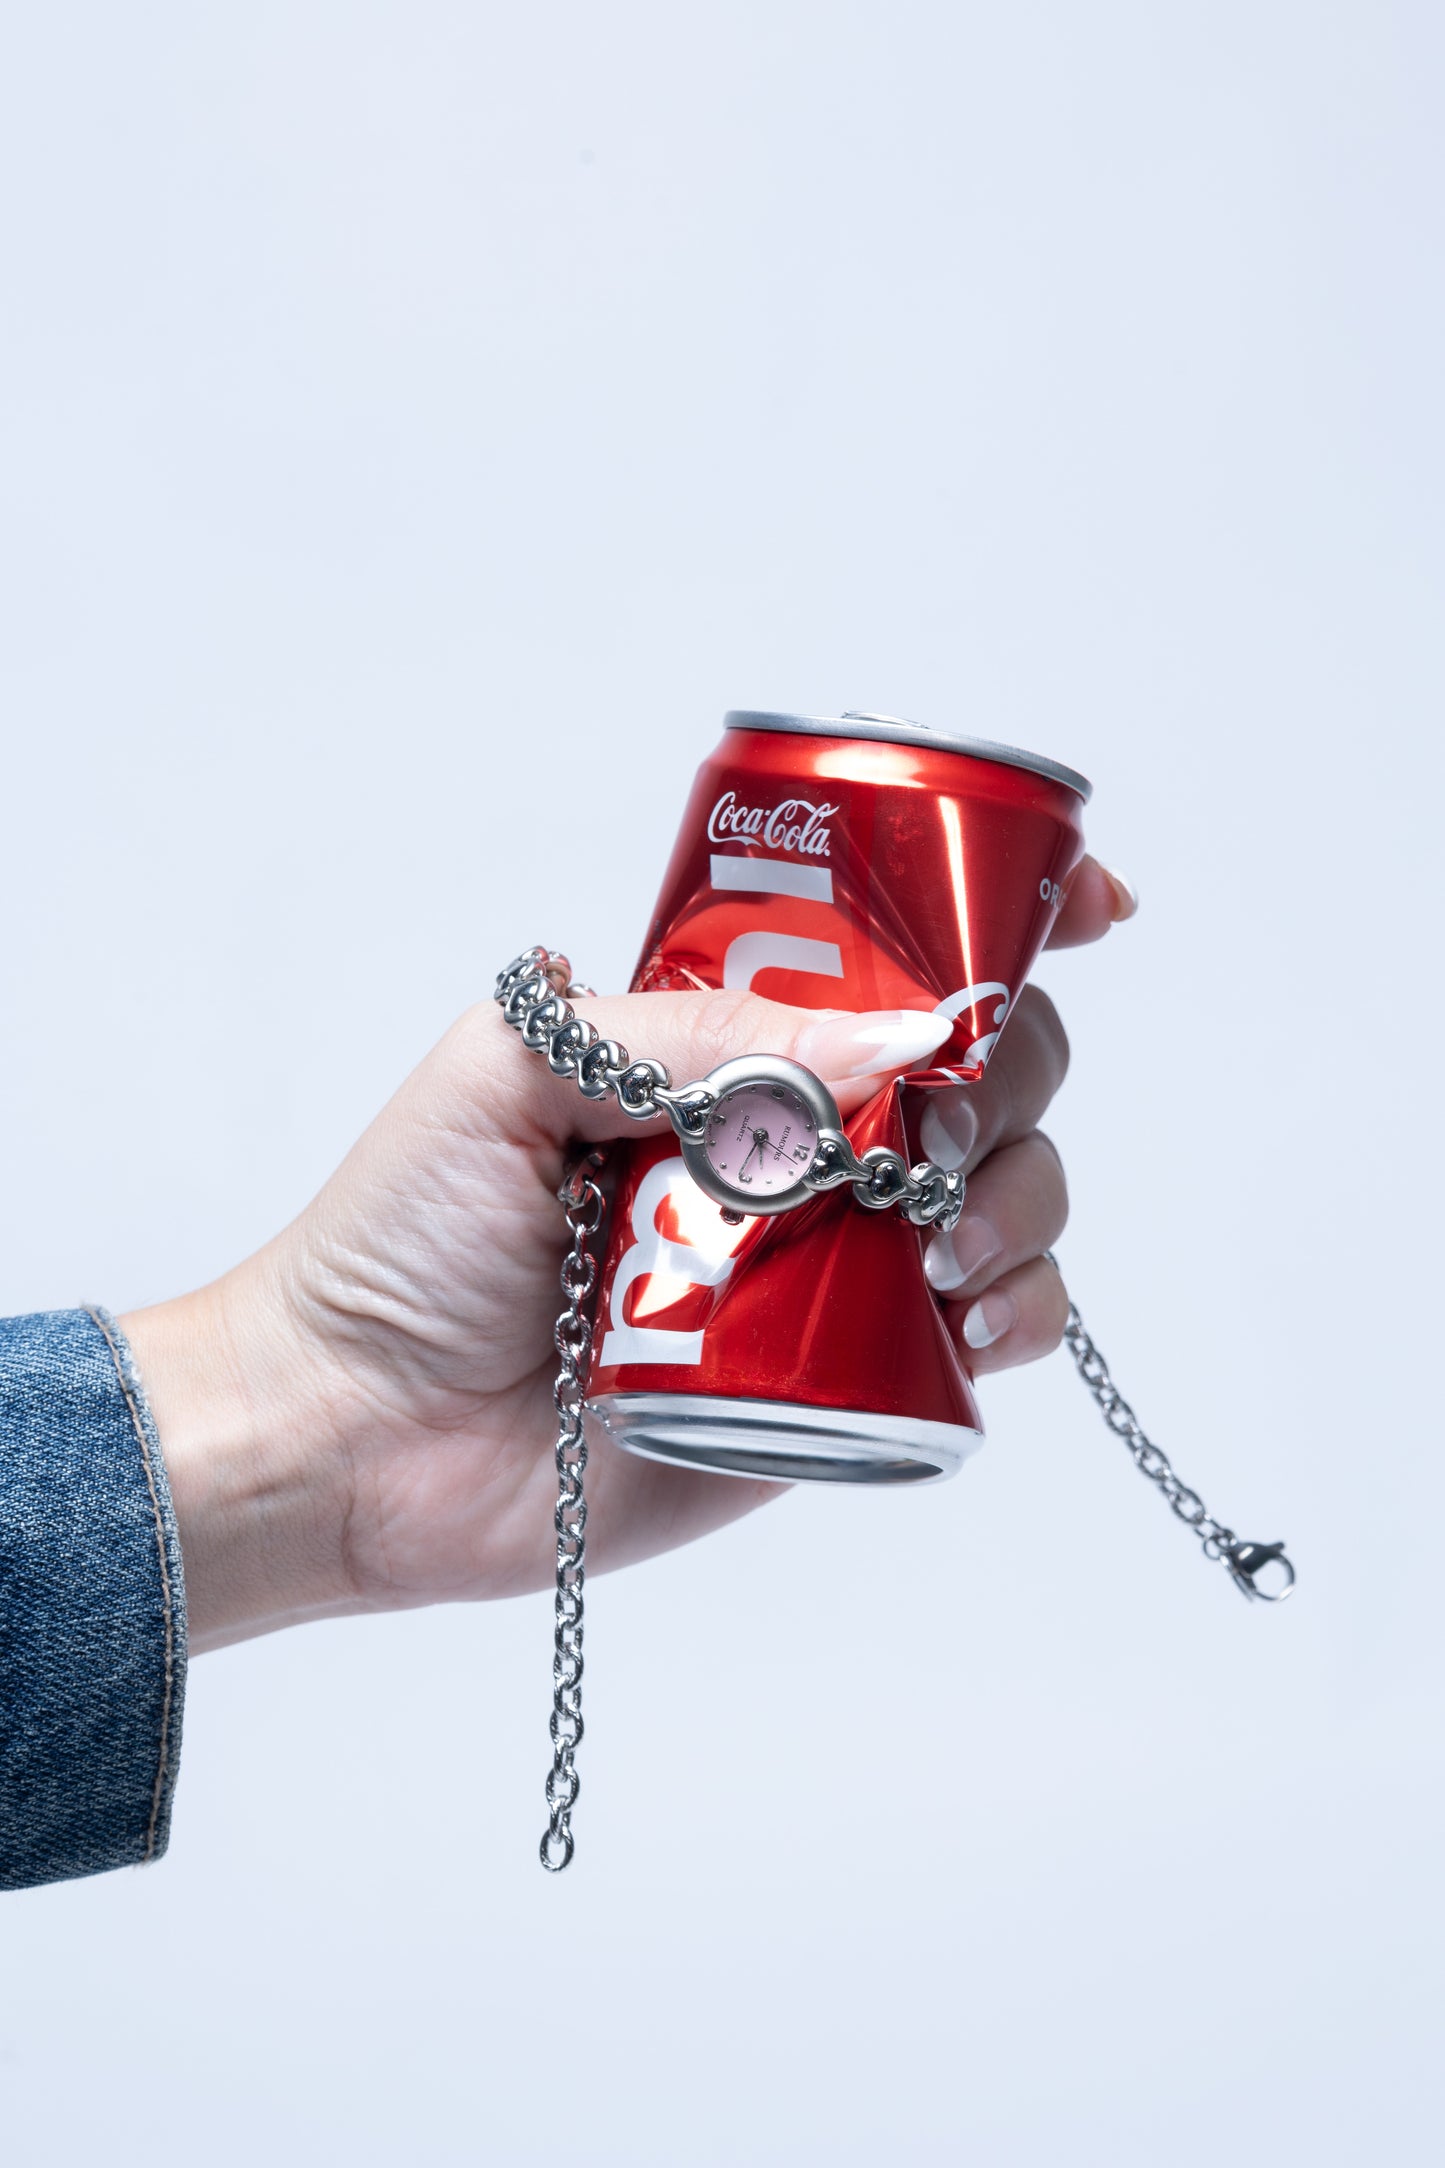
(360, 1416)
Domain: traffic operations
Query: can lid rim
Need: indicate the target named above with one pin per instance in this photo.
(898, 730)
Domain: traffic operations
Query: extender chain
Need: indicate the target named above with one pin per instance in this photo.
(1244, 1560)
(583, 1206)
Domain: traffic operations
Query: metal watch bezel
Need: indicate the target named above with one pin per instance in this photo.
(727, 1078)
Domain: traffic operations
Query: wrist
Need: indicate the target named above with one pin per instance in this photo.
(256, 1469)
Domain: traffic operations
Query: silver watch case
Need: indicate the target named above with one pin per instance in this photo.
(759, 1069)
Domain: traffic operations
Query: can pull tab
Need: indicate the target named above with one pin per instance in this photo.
(1247, 1560)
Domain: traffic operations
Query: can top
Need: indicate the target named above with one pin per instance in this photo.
(897, 730)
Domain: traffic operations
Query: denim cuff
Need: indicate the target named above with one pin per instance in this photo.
(92, 1606)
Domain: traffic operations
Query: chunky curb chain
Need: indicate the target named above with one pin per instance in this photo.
(532, 994)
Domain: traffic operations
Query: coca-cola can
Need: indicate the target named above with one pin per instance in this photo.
(853, 862)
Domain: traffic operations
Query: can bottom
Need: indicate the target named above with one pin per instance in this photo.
(780, 1439)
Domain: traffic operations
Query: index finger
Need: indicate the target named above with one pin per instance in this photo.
(1097, 899)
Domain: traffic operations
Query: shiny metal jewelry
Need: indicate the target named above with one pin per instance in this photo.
(532, 993)
(1244, 1560)
(582, 1202)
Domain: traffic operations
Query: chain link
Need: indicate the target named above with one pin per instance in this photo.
(881, 1180)
(1244, 1560)
(583, 1207)
(532, 994)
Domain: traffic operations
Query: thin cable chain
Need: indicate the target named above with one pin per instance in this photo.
(583, 1207)
(1150, 1459)
(532, 994)
(1217, 1540)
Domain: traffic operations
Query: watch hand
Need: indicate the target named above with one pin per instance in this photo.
(760, 1138)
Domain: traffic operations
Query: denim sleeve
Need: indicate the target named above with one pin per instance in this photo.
(92, 1606)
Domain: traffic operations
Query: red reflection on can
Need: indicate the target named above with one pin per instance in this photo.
(857, 863)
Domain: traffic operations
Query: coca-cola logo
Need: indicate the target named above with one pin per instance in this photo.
(794, 824)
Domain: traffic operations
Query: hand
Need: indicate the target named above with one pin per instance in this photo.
(360, 1416)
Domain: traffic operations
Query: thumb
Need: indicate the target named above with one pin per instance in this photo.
(692, 1033)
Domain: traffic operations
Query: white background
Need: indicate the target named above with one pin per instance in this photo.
(419, 423)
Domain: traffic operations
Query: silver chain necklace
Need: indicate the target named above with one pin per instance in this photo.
(532, 993)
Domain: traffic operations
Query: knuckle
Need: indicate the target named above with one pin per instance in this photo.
(725, 1024)
(1056, 1183)
(999, 1093)
(1048, 1028)
(1027, 1070)
(481, 1077)
(1053, 1309)
(482, 1045)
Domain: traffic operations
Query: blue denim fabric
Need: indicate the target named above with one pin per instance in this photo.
(92, 1606)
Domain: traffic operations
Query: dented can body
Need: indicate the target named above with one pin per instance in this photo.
(855, 862)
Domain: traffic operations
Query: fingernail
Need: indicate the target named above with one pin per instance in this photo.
(879, 1039)
(1126, 895)
(949, 1129)
(989, 1318)
(950, 1261)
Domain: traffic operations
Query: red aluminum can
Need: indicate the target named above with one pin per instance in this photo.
(857, 862)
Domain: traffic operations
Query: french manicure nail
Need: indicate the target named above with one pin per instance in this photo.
(989, 1318)
(870, 1043)
(1126, 895)
(949, 1129)
(951, 1260)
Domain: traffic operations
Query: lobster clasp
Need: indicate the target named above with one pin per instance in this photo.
(1247, 1560)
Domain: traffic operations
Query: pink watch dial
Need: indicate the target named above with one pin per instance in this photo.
(760, 1139)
